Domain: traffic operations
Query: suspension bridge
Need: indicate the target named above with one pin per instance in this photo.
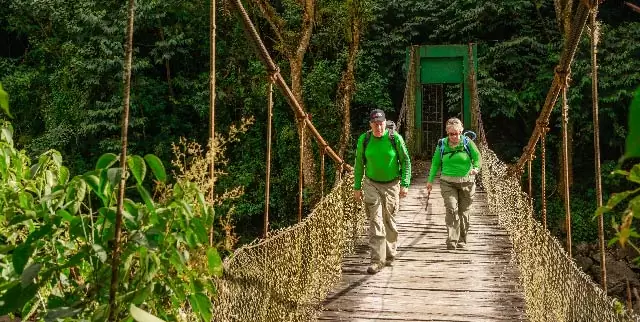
(514, 269)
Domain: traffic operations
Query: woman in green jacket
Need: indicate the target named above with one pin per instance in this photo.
(460, 161)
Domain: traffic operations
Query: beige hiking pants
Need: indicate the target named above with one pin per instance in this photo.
(382, 201)
(457, 200)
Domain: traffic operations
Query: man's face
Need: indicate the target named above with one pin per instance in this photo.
(377, 128)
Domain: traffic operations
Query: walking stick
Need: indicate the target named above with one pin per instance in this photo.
(426, 207)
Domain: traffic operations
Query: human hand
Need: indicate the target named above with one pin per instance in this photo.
(473, 172)
(403, 192)
(429, 186)
(357, 195)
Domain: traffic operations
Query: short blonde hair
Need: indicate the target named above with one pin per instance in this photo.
(454, 123)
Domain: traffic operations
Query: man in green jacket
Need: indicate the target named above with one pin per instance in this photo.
(382, 159)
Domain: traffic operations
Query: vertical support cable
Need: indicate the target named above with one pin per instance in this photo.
(268, 175)
(300, 177)
(565, 165)
(530, 184)
(322, 173)
(543, 165)
(126, 101)
(596, 140)
(212, 106)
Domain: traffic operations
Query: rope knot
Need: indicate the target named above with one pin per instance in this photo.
(562, 75)
(273, 74)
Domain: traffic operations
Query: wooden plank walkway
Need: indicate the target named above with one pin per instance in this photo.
(428, 282)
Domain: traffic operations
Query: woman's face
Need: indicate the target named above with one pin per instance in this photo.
(454, 136)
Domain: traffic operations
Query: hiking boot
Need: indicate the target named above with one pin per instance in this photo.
(461, 245)
(374, 268)
(389, 261)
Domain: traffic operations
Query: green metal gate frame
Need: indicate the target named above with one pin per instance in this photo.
(442, 64)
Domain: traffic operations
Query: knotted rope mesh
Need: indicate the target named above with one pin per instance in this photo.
(555, 288)
(287, 276)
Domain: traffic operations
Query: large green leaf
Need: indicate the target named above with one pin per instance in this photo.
(22, 253)
(632, 149)
(106, 160)
(201, 305)
(16, 297)
(76, 192)
(29, 274)
(146, 197)
(138, 167)
(4, 101)
(100, 252)
(63, 175)
(61, 313)
(215, 262)
(141, 315)
(156, 167)
(142, 294)
(634, 174)
(6, 134)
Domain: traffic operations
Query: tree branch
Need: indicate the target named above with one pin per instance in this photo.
(274, 21)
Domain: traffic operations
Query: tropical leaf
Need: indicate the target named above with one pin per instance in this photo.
(201, 305)
(215, 262)
(106, 160)
(141, 315)
(138, 167)
(156, 167)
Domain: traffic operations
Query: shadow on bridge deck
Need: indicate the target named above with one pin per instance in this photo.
(428, 282)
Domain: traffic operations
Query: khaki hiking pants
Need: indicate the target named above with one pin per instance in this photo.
(382, 201)
(457, 200)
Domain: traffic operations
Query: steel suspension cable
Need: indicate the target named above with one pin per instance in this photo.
(596, 139)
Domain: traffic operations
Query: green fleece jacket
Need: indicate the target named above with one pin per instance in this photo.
(382, 160)
(455, 161)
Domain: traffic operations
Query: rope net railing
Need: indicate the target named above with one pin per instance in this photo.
(286, 276)
(555, 288)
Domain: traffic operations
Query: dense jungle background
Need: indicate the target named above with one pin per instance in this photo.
(61, 63)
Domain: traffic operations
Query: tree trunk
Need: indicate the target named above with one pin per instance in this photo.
(346, 88)
(308, 164)
(295, 65)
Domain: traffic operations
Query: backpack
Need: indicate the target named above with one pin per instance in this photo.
(465, 143)
(391, 127)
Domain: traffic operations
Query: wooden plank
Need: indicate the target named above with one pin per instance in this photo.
(428, 282)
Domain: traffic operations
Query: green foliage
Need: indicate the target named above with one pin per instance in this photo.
(57, 232)
(632, 149)
(624, 229)
(4, 101)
